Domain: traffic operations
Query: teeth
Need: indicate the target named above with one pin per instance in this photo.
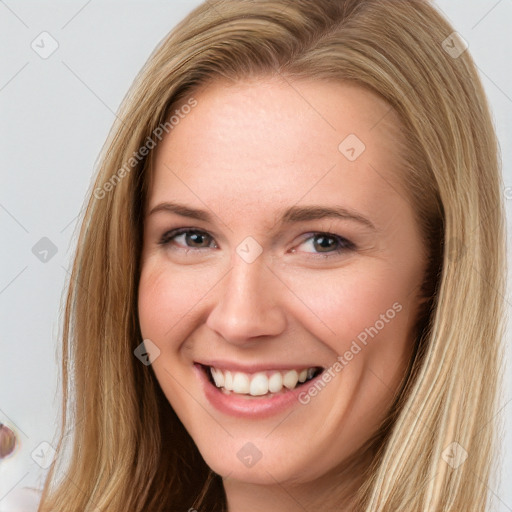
(259, 384)
(290, 379)
(228, 381)
(275, 383)
(218, 377)
(241, 383)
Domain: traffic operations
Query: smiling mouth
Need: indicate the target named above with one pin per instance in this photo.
(260, 384)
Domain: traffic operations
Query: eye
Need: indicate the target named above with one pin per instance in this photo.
(189, 238)
(321, 244)
(327, 244)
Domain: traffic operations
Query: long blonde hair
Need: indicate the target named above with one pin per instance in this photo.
(128, 450)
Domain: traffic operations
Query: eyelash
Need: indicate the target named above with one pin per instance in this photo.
(346, 245)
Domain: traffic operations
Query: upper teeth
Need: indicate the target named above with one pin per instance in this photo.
(260, 383)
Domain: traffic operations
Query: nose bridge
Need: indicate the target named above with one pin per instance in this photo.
(247, 304)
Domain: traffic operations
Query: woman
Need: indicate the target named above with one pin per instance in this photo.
(223, 355)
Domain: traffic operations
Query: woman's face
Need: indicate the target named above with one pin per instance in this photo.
(279, 242)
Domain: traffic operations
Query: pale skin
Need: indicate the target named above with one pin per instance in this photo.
(244, 154)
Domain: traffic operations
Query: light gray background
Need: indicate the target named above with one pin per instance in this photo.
(55, 114)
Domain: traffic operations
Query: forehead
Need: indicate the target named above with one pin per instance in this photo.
(272, 142)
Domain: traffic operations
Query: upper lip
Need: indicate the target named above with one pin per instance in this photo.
(256, 367)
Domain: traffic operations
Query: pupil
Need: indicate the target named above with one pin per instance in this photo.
(321, 244)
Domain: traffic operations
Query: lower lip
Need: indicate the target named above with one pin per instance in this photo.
(248, 406)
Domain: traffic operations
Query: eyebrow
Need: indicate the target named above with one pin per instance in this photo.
(290, 215)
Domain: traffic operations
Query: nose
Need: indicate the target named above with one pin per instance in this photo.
(248, 303)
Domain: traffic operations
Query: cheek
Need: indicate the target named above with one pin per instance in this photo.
(165, 297)
(368, 307)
